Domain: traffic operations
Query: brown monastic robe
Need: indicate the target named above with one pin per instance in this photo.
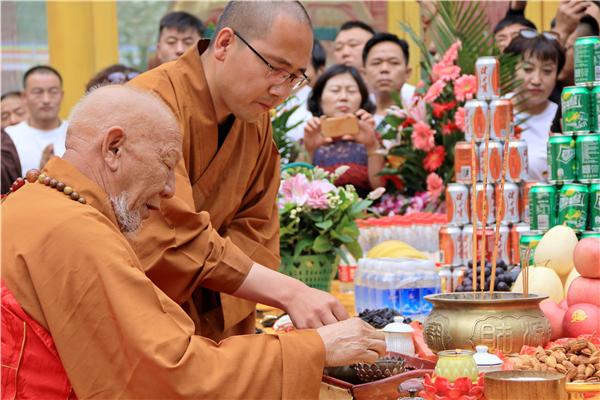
(236, 184)
(118, 335)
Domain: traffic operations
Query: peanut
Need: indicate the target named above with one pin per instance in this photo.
(561, 368)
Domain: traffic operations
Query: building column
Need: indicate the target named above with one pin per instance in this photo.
(408, 12)
(83, 38)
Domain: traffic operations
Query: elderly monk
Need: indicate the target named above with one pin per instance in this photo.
(220, 92)
(75, 296)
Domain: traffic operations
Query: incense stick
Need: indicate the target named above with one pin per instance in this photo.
(474, 208)
(486, 166)
(499, 215)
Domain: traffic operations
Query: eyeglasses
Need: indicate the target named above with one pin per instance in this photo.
(532, 34)
(277, 75)
(121, 77)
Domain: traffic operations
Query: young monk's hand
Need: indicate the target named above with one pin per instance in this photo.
(313, 308)
(350, 342)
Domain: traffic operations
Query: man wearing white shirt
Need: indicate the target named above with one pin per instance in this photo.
(43, 134)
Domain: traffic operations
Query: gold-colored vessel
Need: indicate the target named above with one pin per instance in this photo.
(506, 321)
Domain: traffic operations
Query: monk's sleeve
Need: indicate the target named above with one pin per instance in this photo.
(119, 336)
(255, 227)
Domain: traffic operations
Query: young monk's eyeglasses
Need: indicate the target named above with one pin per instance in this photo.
(529, 33)
(278, 75)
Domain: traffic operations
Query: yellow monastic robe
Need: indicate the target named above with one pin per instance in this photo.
(118, 335)
(237, 185)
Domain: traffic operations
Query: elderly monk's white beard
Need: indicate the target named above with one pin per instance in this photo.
(129, 220)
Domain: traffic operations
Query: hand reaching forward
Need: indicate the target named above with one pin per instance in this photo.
(350, 342)
(313, 308)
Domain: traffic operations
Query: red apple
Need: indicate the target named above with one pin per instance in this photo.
(555, 315)
(564, 305)
(581, 319)
(584, 290)
(586, 257)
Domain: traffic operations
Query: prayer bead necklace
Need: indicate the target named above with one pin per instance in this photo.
(34, 175)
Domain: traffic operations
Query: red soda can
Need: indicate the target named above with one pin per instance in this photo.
(457, 203)
(489, 242)
(489, 194)
(517, 160)
(462, 162)
(503, 245)
(515, 237)
(487, 71)
(451, 245)
(510, 211)
(477, 119)
(501, 116)
(524, 204)
(494, 159)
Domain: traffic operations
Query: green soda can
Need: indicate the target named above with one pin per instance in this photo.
(561, 159)
(587, 155)
(529, 240)
(595, 105)
(590, 234)
(576, 109)
(388, 127)
(542, 207)
(594, 208)
(585, 47)
(573, 205)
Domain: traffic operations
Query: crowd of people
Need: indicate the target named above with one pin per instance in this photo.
(136, 257)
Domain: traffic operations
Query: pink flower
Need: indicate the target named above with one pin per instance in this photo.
(435, 185)
(422, 136)
(465, 87)
(295, 189)
(417, 111)
(451, 54)
(445, 72)
(459, 118)
(434, 91)
(317, 194)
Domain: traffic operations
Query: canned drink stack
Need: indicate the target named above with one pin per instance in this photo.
(576, 110)
(495, 151)
(595, 105)
(462, 162)
(587, 155)
(524, 206)
(510, 206)
(561, 159)
(487, 71)
(572, 206)
(594, 207)
(451, 245)
(515, 237)
(501, 116)
(457, 203)
(585, 49)
(517, 161)
(529, 240)
(477, 120)
(542, 206)
(489, 194)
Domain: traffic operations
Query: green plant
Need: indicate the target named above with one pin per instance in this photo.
(288, 148)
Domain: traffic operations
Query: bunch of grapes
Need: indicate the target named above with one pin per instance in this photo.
(505, 277)
(381, 317)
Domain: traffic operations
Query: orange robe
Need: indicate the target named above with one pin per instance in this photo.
(117, 334)
(236, 184)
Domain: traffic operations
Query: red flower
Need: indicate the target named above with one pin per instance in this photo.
(449, 127)
(434, 158)
(439, 109)
(518, 131)
(408, 122)
(394, 180)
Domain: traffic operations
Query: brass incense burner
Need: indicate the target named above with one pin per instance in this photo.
(505, 321)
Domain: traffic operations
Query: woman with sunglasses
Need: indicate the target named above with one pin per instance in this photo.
(341, 91)
(116, 74)
(542, 59)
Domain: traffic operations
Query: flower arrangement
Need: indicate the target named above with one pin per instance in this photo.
(421, 159)
(439, 388)
(316, 217)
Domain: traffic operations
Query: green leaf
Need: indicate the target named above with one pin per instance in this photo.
(321, 244)
(354, 249)
(301, 246)
(325, 224)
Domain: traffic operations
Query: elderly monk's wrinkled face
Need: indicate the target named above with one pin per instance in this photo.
(349, 45)
(245, 82)
(13, 111)
(43, 94)
(172, 43)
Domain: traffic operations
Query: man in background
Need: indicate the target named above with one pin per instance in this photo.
(177, 32)
(13, 109)
(349, 43)
(43, 133)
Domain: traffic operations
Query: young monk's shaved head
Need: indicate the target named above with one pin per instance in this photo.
(253, 19)
(141, 114)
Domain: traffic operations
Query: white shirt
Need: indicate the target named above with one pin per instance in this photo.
(536, 131)
(30, 142)
(301, 114)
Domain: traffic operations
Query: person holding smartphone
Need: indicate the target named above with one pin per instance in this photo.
(342, 131)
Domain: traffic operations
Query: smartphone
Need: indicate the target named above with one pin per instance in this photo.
(340, 126)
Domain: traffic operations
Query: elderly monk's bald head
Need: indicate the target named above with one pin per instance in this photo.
(258, 56)
(128, 142)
